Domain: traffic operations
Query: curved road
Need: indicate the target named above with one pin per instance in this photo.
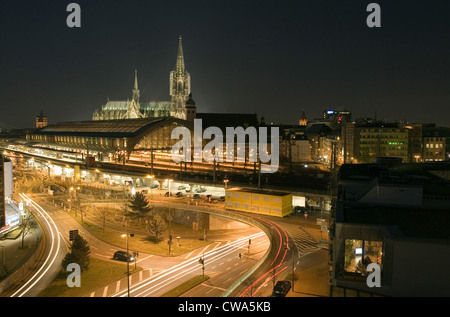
(55, 250)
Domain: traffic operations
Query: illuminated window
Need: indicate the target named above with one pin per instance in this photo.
(359, 253)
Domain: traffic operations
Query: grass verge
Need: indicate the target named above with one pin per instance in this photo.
(141, 243)
(186, 286)
(100, 273)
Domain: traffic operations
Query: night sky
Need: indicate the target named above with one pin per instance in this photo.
(273, 58)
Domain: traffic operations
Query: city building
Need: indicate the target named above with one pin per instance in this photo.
(364, 142)
(178, 107)
(330, 151)
(339, 116)
(435, 146)
(434, 149)
(415, 142)
(265, 202)
(295, 149)
(391, 214)
(2, 193)
(9, 209)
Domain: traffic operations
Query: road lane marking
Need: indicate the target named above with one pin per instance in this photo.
(118, 286)
(148, 257)
(212, 255)
(105, 291)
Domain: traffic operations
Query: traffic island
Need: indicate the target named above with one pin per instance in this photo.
(186, 286)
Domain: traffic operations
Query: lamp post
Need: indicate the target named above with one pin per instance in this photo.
(168, 199)
(151, 189)
(125, 235)
(226, 183)
(293, 265)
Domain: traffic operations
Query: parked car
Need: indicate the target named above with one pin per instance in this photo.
(123, 256)
(299, 209)
(281, 289)
(154, 186)
(181, 187)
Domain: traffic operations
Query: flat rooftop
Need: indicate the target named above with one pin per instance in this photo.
(412, 222)
(258, 191)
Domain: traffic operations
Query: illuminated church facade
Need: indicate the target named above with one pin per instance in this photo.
(181, 105)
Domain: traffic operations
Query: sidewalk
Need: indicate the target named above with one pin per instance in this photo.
(312, 272)
(13, 256)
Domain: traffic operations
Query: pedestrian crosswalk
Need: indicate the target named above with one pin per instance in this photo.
(303, 240)
(122, 284)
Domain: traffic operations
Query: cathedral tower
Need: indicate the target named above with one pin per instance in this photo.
(136, 94)
(180, 85)
(303, 120)
(41, 120)
(133, 106)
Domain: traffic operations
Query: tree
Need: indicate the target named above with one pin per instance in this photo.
(139, 206)
(103, 213)
(79, 253)
(26, 225)
(157, 225)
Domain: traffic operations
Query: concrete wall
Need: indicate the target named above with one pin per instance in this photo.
(397, 195)
(221, 223)
(420, 268)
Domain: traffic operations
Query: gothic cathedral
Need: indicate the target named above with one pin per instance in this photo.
(181, 106)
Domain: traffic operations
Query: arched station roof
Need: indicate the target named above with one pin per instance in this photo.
(132, 130)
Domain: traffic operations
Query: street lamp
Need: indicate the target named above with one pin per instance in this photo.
(125, 235)
(168, 199)
(151, 185)
(293, 265)
(226, 183)
(169, 181)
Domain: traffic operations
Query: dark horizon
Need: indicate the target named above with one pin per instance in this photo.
(273, 59)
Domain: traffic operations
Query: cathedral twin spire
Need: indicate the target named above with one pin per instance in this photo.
(180, 68)
(180, 89)
(180, 84)
(136, 94)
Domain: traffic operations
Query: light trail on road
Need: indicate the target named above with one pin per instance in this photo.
(51, 257)
(146, 288)
(274, 268)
